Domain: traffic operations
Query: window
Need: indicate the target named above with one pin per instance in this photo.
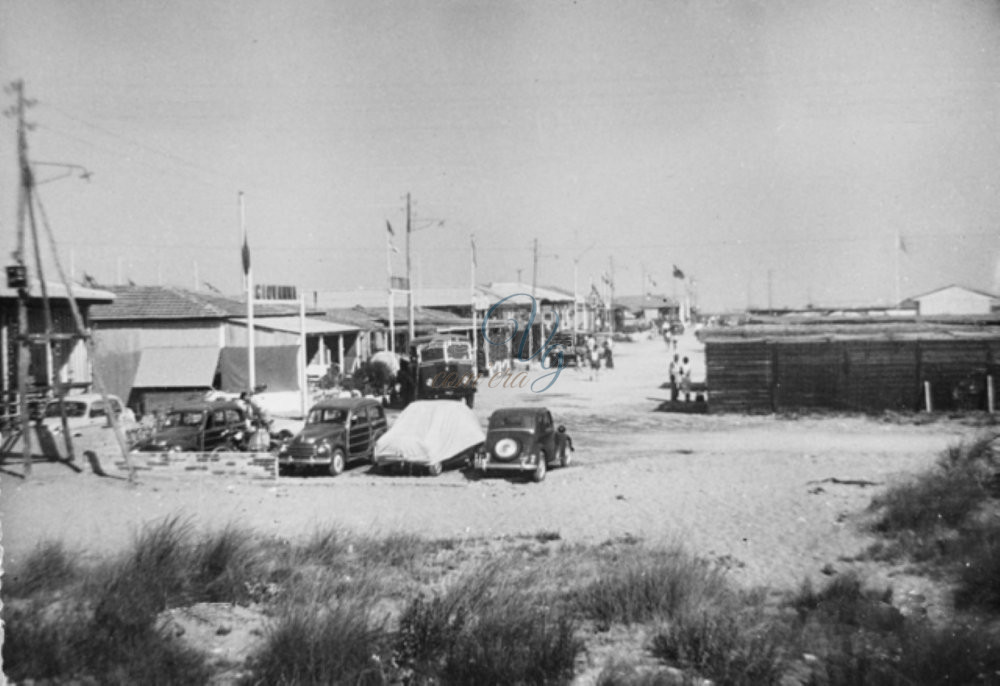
(233, 417)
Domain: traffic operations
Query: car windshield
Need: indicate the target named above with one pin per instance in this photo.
(184, 418)
(432, 354)
(73, 409)
(513, 421)
(327, 415)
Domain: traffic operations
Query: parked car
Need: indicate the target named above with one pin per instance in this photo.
(84, 410)
(338, 431)
(220, 426)
(572, 353)
(439, 367)
(431, 435)
(524, 440)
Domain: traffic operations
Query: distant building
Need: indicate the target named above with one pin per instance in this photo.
(648, 307)
(954, 300)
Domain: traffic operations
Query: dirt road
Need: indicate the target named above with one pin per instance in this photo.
(754, 491)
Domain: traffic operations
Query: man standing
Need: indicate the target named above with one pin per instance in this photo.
(685, 373)
(675, 370)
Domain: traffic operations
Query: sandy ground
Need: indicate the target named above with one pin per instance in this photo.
(751, 491)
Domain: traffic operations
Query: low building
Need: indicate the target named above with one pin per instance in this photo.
(158, 345)
(869, 365)
(955, 300)
(66, 360)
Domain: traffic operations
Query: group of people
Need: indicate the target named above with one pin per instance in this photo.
(680, 378)
(598, 353)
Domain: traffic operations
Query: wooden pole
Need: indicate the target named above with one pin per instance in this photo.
(928, 405)
(990, 394)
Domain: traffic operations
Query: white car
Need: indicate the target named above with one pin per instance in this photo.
(84, 410)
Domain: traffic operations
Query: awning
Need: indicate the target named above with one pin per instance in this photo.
(177, 367)
(276, 367)
(293, 324)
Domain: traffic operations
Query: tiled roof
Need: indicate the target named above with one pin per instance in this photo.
(57, 290)
(152, 303)
(644, 302)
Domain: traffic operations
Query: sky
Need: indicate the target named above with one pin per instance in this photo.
(779, 153)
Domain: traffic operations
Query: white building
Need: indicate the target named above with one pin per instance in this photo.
(954, 300)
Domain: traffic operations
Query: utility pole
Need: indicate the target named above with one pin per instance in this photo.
(611, 296)
(21, 280)
(534, 288)
(770, 291)
(409, 275)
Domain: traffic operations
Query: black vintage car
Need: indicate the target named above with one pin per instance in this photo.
(200, 427)
(525, 440)
(439, 367)
(337, 431)
(567, 344)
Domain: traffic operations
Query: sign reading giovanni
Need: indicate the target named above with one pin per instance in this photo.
(544, 351)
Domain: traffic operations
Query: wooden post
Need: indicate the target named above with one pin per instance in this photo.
(928, 405)
(990, 395)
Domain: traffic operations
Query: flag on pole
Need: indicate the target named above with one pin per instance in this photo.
(392, 234)
(651, 282)
(246, 253)
(678, 274)
(475, 262)
(902, 245)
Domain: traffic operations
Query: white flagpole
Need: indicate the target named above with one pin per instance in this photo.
(472, 295)
(392, 314)
(303, 357)
(248, 270)
(896, 249)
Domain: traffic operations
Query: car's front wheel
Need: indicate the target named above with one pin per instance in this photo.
(337, 461)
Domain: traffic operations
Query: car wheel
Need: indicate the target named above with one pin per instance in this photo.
(435, 469)
(539, 474)
(337, 462)
(224, 448)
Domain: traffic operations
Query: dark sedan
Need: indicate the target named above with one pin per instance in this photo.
(200, 427)
(523, 440)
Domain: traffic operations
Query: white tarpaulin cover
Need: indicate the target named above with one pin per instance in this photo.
(429, 432)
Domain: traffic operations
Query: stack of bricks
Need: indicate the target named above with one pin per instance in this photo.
(251, 465)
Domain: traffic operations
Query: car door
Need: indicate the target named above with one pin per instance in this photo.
(547, 435)
(215, 429)
(377, 417)
(359, 434)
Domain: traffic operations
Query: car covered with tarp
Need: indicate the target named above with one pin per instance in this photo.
(430, 435)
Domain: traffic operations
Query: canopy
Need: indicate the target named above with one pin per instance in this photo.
(276, 366)
(177, 367)
(429, 432)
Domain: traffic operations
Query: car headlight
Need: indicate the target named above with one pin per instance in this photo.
(505, 448)
(323, 449)
(175, 448)
(429, 383)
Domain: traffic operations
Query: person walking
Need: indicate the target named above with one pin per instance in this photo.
(675, 377)
(594, 358)
(609, 357)
(686, 379)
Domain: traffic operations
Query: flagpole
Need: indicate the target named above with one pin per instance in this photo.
(248, 275)
(392, 308)
(472, 296)
(898, 248)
